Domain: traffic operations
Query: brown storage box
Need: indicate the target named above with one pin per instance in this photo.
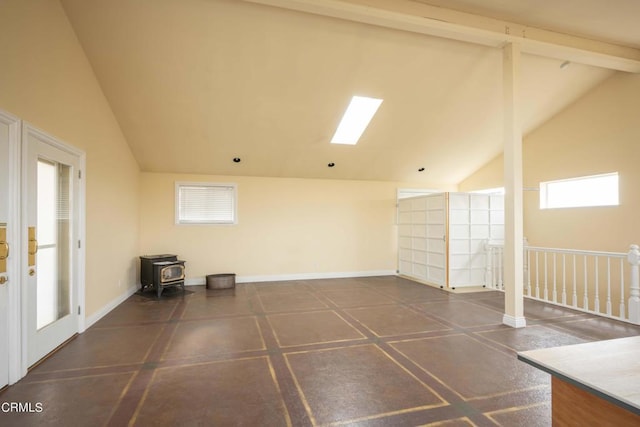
(221, 281)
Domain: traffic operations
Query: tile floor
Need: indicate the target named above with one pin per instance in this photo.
(380, 351)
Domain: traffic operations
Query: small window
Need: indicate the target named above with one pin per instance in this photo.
(595, 190)
(206, 203)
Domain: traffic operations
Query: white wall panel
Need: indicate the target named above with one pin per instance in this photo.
(419, 244)
(459, 277)
(404, 218)
(478, 260)
(459, 231)
(497, 217)
(496, 202)
(459, 246)
(404, 205)
(479, 232)
(436, 217)
(420, 257)
(435, 259)
(436, 202)
(479, 201)
(419, 217)
(418, 204)
(476, 246)
(458, 201)
(435, 231)
(459, 217)
(405, 267)
(404, 230)
(434, 245)
(477, 275)
(420, 271)
(419, 230)
(497, 232)
(436, 275)
(459, 261)
(479, 217)
(467, 223)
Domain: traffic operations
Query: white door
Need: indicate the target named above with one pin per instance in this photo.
(51, 237)
(436, 237)
(9, 214)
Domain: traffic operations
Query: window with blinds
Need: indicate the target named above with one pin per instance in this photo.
(206, 203)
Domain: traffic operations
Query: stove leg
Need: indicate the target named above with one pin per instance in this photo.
(159, 290)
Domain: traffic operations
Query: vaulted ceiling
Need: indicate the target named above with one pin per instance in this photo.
(195, 83)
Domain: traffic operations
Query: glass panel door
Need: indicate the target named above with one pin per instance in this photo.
(51, 232)
(54, 237)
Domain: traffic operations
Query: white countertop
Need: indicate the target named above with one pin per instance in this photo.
(610, 369)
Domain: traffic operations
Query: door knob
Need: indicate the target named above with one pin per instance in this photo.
(3, 280)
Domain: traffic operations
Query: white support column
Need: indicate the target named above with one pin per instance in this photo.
(513, 227)
(634, 299)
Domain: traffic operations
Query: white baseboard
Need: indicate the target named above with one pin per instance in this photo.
(297, 276)
(90, 320)
(194, 281)
(514, 322)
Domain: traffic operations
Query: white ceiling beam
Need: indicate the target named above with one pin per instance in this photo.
(435, 21)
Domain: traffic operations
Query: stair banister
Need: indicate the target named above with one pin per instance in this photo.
(634, 299)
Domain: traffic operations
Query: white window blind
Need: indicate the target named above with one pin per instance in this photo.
(205, 203)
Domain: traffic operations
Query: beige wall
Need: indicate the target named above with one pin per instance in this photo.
(286, 227)
(45, 79)
(599, 133)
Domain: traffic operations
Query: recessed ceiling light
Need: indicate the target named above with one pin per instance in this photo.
(355, 119)
(331, 164)
(236, 159)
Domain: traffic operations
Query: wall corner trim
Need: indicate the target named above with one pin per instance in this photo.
(90, 320)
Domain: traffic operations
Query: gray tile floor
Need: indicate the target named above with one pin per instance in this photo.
(380, 351)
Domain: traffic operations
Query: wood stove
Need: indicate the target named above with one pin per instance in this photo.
(161, 271)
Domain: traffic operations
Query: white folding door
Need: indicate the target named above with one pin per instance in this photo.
(422, 238)
(441, 237)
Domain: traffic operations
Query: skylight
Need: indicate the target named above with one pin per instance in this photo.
(355, 120)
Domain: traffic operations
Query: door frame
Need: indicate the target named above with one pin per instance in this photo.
(79, 268)
(13, 262)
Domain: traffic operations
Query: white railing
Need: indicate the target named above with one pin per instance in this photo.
(589, 281)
